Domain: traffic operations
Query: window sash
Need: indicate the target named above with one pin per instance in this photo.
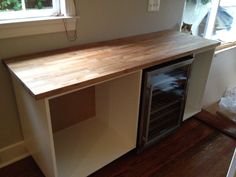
(224, 36)
(211, 19)
(215, 20)
(32, 13)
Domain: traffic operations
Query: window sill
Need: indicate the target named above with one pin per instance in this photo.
(225, 47)
(35, 26)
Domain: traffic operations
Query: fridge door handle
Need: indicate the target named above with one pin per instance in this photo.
(148, 110)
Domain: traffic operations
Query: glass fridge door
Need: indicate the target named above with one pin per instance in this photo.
(167, 95)
(163, 99)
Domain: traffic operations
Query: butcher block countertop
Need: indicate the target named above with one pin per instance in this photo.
(55, 72)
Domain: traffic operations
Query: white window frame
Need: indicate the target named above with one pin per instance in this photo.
(31, 13)
(19, 27)
(210, 25)
(211, 19)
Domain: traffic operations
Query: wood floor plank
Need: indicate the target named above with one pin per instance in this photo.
(194, 150)
(219, 122)
(211, 158)
(23, 168)
(150, 160)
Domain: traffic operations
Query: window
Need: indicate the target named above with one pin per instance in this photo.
(14, 9)
(213, 19)
(31, 17)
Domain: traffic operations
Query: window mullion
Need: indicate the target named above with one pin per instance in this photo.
(23, 5)
(56, 5)
(211, 19)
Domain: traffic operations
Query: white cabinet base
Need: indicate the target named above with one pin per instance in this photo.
(90, 144)
(198, 80)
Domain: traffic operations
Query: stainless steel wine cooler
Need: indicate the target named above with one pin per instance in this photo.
(163, 98)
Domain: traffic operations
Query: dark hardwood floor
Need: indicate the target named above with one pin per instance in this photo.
(22, 168)
(218, 121)
(194, 150)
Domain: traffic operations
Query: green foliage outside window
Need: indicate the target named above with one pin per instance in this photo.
(9, 5)
(6, 5)
(39, 4)
(35, 4)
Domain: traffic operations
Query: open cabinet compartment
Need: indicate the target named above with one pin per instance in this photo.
(101, 135)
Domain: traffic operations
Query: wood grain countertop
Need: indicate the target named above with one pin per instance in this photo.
(50, 73)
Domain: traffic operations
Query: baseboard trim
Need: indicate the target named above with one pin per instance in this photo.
(12, 153)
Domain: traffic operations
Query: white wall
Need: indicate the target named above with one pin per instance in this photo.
(222, 75)
(100, 20)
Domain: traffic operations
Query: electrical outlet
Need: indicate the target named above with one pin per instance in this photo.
(153, 5)
(150, 5)
(157, 5)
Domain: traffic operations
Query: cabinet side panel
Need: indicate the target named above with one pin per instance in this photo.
(37, 129)
(118, 103)
(198, 80)
(125, 95)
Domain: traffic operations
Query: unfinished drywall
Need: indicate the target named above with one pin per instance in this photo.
(100, 20)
